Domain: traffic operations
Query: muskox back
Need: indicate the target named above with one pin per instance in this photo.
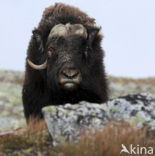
(64, 61)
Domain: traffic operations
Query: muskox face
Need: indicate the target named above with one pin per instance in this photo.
(70, 56)
(65, 57)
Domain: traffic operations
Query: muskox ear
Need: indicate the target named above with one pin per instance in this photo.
(38, 37)
(92, 34)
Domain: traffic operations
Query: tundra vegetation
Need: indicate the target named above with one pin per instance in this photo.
(34, 139)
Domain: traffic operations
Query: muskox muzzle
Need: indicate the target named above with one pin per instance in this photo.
(69, 78)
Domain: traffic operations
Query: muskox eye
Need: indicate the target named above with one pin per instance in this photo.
(86, 53)
(50, 51)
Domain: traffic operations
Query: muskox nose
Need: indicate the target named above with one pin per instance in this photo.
(69, 78)
(70, 73)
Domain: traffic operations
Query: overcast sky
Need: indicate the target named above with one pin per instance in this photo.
(128, 27)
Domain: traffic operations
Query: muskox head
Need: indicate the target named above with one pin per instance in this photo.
(71, 55)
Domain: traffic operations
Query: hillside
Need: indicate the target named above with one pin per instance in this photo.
(11, 109)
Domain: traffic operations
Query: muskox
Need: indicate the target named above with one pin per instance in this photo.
(64, 61)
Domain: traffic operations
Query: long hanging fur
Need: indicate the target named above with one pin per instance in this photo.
(37, 91)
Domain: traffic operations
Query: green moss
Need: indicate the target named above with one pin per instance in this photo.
(15, 100)
(137, 119)
(115, 108)
(104, 106)
(151, 124)
(67, 111)
(46, 136)
(4, 113)
(50, 109)
(9, 105)
(62, 140)
(2, 70)
(22, 122)
(74, 106)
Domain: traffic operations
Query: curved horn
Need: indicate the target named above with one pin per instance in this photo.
(77, 29)
(37, 67)
(68, 29)
(58, 30)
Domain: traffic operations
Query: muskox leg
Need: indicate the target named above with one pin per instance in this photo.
(33, 101)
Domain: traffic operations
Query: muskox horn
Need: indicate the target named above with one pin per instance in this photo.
(68, 29)
(37, 67)
(58, 30)
(77, 29)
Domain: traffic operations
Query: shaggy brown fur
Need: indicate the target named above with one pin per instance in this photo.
(42, 88)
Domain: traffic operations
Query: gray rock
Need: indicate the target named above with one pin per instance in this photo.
(67, 122)
(137, 109)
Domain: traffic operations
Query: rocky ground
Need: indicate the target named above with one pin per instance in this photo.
(11, 109)
(34, 140)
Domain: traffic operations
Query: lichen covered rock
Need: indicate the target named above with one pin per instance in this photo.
(67, 122)
(138, 109)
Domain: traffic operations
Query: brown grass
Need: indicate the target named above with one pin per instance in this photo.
(142, 81)
(102, 143)
(34, 135)
(108, 142)
(11, 76)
